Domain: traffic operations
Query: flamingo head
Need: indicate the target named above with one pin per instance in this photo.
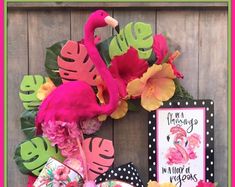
(179, 135)
(100, 18)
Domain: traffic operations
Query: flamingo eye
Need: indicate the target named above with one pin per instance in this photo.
(102, 14)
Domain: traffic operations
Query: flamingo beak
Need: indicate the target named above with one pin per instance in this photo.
(112, 22)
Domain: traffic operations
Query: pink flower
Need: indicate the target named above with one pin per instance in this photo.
(205, 184)
(63, 134)
(72, 184)
(61, 173)
(127, 67)
(161, 50)
(160, 47)
(90, 126)
(194, 141)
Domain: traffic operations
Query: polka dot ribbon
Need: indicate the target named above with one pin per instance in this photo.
(125, 176)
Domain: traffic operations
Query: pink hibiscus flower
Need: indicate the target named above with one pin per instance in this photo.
(126, 68)
(61, 173)
(161, 50)
(160, 47)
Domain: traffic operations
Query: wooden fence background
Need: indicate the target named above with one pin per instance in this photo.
(200, 29)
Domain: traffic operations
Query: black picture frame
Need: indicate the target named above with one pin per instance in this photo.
(208, 105)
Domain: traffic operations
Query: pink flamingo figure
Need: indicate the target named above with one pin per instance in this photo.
(75, 101)
(177, 154)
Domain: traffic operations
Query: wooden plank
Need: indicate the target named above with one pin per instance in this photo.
(131, 132)
(182, 27)
(17, 68)
(78, 20)
(116, 5)
(45, 29)
(203, 41)
(213, 80)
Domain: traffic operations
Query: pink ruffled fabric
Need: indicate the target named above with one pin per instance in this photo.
(64, 135)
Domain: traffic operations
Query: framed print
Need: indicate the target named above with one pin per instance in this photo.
(181, 142)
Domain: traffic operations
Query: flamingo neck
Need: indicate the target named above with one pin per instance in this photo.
(183, 152)
(102, 69)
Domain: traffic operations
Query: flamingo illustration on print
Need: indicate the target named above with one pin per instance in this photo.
(184, 147)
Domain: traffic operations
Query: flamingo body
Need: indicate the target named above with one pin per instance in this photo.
(63, 104)
(76, 101)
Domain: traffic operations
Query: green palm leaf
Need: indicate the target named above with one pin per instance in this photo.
(27, 120)
(28, 91)
(32, 155)
(51, 65)
(137, 35)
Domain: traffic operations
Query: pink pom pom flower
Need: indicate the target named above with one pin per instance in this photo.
(90, 126)
(63, 134)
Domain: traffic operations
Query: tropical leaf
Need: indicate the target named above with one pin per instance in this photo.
(103, 48)
(32, 155)
(180, 93)
(75, 64)
(51, 65)
(27, 120)
(137, 35)
(99, 155)
(28, 91)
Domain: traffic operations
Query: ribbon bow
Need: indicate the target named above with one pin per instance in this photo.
(122, 176)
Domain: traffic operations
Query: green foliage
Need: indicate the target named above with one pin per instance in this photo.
(32, 155)
(27, 120)
(28, 91)
(134, 105)
(180, 93)
(51, 65)
(137, 35)
(103, 48)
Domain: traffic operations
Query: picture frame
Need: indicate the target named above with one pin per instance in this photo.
(190, 158)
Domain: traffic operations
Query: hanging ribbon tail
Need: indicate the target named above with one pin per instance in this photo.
(31, 180)
(125, 175)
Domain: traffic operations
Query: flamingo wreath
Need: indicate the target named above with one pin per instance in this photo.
(89, 81)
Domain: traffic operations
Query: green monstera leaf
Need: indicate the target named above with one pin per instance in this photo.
(51, 65)
(28, 91)
(138, 35)
(27, 120)
(103, 48)
(32, 155)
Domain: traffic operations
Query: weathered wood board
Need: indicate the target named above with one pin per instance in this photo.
(201, 34)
